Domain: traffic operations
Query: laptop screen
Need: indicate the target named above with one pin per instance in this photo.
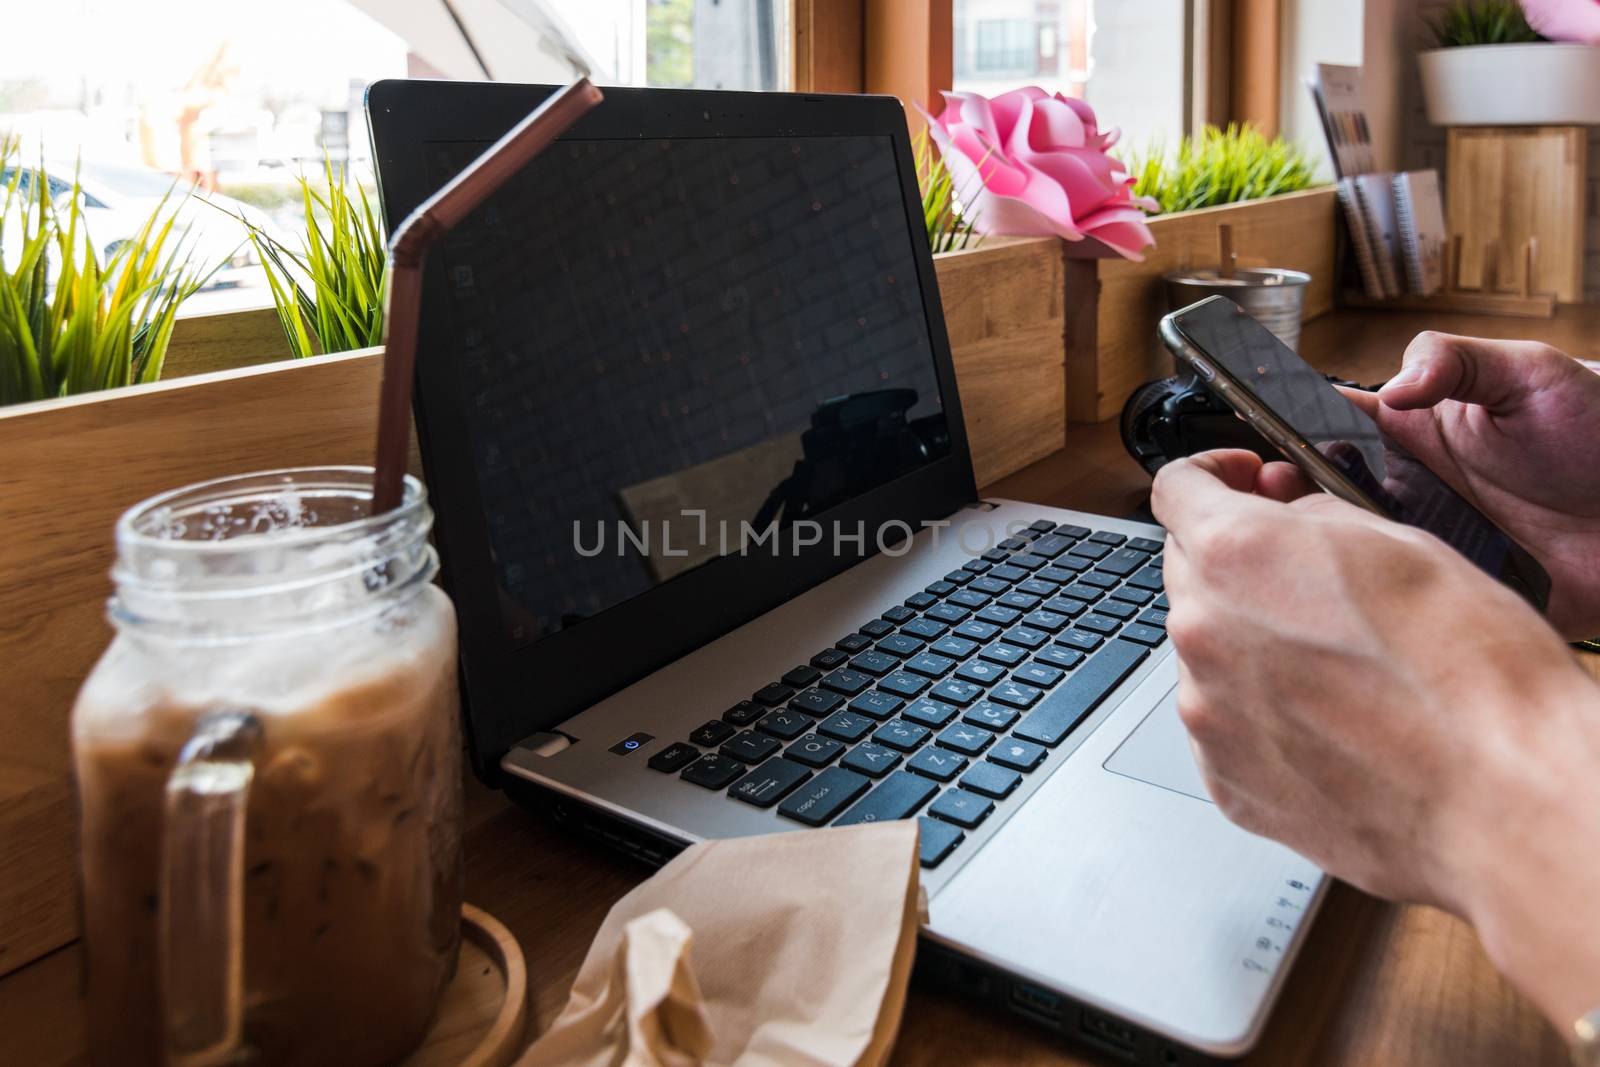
(668, 350)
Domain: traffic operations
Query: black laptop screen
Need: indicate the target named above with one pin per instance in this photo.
(669, 349)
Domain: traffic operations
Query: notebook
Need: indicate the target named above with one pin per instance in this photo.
(1375, 194)
(1360, 239)
(1419, 218)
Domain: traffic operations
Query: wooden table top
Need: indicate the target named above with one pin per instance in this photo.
(1375, 983)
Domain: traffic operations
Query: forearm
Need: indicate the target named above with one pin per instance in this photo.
(1530, 877)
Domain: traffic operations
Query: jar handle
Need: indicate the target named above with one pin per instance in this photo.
(202, 890)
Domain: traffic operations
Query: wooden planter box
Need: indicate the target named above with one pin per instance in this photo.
(1295, 231)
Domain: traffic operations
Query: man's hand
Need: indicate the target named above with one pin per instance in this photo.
(1514, 426)
(1360, 692)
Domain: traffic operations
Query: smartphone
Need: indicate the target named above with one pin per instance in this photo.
(1335, 443)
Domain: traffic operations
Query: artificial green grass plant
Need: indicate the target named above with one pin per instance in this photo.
(83, 326)
(1221, 167)
(948, 230)
(1475, 22)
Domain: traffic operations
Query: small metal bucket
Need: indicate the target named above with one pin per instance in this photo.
(1273, 297)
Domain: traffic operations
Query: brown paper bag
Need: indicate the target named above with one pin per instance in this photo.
(790, 949)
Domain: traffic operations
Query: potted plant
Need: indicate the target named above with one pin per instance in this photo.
(1501, 63)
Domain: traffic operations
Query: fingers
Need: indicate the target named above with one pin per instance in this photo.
(1200, 487)
(1361, 398)
(1283, 482)
(1493, 374)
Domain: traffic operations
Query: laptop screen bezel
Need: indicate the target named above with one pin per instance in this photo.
(510, 693)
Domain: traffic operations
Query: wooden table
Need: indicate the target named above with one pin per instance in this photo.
(1375, 984)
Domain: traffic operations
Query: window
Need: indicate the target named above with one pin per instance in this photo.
(1128, 58)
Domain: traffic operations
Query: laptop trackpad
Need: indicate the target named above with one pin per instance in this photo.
(1158, 752)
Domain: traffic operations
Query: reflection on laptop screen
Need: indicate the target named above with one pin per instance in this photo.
(666, 348)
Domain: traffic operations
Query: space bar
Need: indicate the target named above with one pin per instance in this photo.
(1081, 693)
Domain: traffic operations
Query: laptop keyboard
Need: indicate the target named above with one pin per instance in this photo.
(937, 708)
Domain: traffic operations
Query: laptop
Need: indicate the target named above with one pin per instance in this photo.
(705, 505)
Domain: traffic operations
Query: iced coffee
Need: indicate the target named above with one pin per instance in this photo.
(348, 885)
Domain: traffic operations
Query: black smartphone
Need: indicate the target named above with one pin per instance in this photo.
(1338, 445)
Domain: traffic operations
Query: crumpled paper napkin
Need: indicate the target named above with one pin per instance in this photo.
(792, 949)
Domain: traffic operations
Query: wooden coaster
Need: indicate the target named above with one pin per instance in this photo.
(483, 1016)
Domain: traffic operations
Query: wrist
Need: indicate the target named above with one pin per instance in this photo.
(1528, 879)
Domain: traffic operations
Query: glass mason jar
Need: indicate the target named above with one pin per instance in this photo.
(268, 764)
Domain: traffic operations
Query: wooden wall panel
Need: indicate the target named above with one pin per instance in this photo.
(828, 46)
(910, 52)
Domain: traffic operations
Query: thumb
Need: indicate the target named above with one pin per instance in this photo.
(1497, 375)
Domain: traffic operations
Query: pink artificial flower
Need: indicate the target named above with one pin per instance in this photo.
(1035, 165)
(1565, 20)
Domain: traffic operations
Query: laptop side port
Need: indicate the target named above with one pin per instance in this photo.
(1108, 1033)
(1038, 1004)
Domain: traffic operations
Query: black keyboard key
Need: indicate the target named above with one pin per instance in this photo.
(1073, 532)
(1154, 617)
(1064, 605)
(991, 779)
(846, 726)
(1082, 640)
(846, 681)
(713, 772)
(824, 796)
(896, 615)
(990, 716)
(901, 735)
(976, 630)
(931, 664)
(903, 684)
(980, 672)
(1089, 550)
(872, 760)
(925, 628)
(818, 702)
(976, 566)
(956, 647)
(769, 783)
(1157, 561)
(958, 577)
(999, 615)
(935, 590)
(814, 750)
(954, 691)
(937, 763)
(1123, 562)
(962, 808)
(936, 840)
(784, 724)
(1003, 654)
(1015, 694)
(1145, 544)
(1117, 609)
(829, 658)
(929, 713)
(1098, 580)
(876, 704)
(1149, 578)
(1083, 591)
(900, 645)
(744, 713)
(969, 598)
(1013, 543)
(1082, 693)
(1027, 561)
(1056, 656)
(1100, 624)
(996, 555)
(675, 757)
(1046, 620)
(1133, 595)
(750, 747)
(853, 643)
(1043, 526)
(896, 797)
(1038, 674)
(773, 695)
(1145, 635)
(711, 734)
(1019, 601)
(923, 600)
(1161, 602)
(1018, 754)
(947, 613)
(1064, 569)
(989, 586)
(878, 627)
(1007, 573)
(1106, 537)
(875, 663)
(1027, 636)
(1051, 545)
(965, 739)
(800, 677)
